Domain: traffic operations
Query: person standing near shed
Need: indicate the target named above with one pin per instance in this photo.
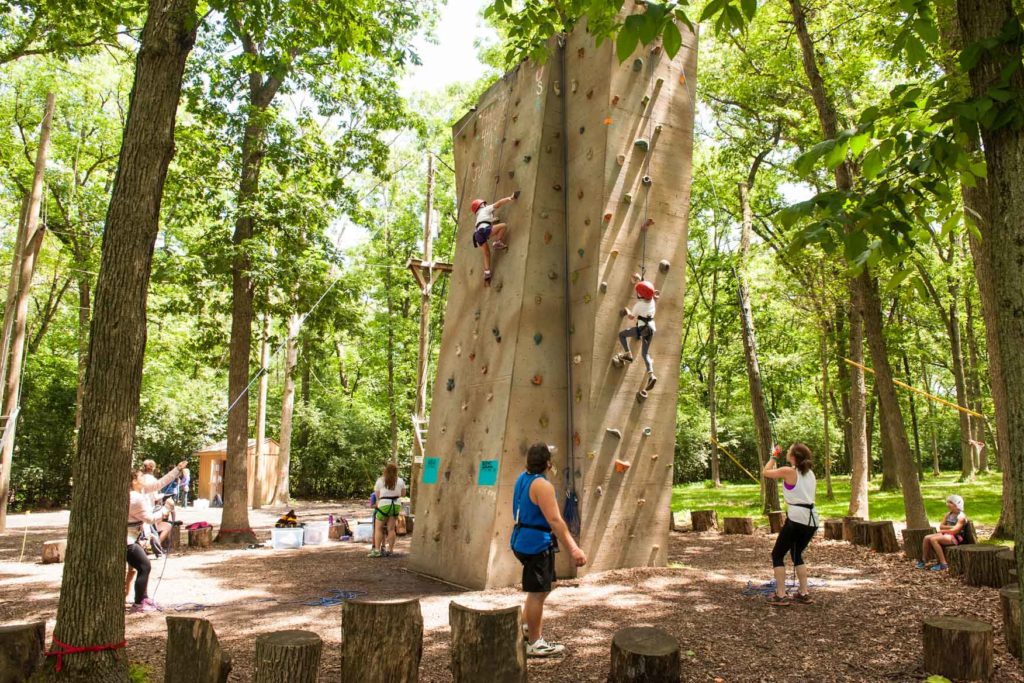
(538, 528)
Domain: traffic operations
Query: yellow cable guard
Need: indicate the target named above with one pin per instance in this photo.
(733, 457)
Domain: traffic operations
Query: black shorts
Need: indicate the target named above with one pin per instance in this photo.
(481, 234)
(538, 571)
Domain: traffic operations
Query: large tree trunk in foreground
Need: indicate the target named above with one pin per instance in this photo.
(769, 488)
(982, 20)
(33, 241)
(91, 607)
(283, 493)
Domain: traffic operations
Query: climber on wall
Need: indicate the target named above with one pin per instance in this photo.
(643, 313)
(486, 228)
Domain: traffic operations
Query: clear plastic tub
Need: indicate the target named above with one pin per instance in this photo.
(315, 533)
(286, 538)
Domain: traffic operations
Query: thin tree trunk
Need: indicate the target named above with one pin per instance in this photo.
(826, 433)
(913, 418)
(392, 408)
(12, 293)
(90, 611)
(283, 492)
(84, 315)
(716, 477)
(872, 405)
(769, 489)
(990, 20)
(956, 350)
(931, 421)
(34, 234)
(256, 483)
(974, 384)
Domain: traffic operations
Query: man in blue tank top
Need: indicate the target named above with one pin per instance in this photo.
(538, 524)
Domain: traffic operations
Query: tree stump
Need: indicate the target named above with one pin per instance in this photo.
(957, 648)
(776, 518)
(970, 535)
(739, 525)
(200, 538)
(173, 538)
(912, 540)
(1007, 563)
(371, 628)
(193, 653)
(487, 645)
(335, 532)
(883, 537)
(54, 551)
(861, 533)
(953, 559)
(21, 646)
(644, 654)
(848, 527)
(977, 564)
(704, 520)
(1009, 600)
(833, 529)
(288, 657)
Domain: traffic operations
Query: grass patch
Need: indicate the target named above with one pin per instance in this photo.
(983, 498)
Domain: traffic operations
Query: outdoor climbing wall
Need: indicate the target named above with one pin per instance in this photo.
(513, 359)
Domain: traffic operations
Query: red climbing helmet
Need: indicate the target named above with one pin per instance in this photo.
(645, 290)
(477, 203)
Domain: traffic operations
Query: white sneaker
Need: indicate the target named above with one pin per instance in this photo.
(542, 648)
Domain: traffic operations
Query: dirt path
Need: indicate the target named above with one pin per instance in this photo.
(864, 627)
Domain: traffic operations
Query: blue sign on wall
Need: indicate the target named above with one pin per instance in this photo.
(488, 475)
(430, 467)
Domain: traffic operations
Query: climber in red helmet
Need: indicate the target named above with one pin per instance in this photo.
(643, 313)
(486, 228)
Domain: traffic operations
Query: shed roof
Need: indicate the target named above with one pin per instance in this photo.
(222, 446)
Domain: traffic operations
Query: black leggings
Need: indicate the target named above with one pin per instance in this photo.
(138, 561)
(793, 539)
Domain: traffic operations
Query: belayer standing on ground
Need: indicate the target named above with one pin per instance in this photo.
(141, 520)
(487, 227)
(388, 490)
(643, 313)
(799, 488)
(539, 525)
(951, 532)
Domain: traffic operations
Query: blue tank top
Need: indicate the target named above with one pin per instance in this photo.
(525, 511)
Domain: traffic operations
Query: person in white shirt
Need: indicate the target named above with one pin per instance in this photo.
(799, 488)
(951, 532)
(151, 486)
(141, 517)
(486, 227)
(389, 489)
(643, 313)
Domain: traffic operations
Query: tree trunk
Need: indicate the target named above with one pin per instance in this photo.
(890, 481)
(860, 471)
(872, 405)
(392, 408)
(743, 526)
(12, 293)
(84, 314)
(956, 351)
(913, 418)
(644, 654)
(256, 476)
(974, 385)
(776, 519)
(833, 530)
(193, 653)
(288, 657)
(988, 20)
(769, 489)
(883, 537)
(957, 648)
(370, 628)
(27, 262)
(1010, 604)
(704, 520)
(912, 540)
(21, 648)
(283, 493)
(826, 431)
(862, 532)
(716, 476)
(91, 606)
(487, 645)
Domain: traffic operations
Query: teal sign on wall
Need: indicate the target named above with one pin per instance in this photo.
(488, 475)
(430, 467)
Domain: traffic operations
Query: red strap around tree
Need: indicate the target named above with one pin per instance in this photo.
(66, 649)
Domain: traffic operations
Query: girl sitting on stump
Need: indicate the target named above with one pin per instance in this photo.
(643, 313)
(486, 227)
(951, 532)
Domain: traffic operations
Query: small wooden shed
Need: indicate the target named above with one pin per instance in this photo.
(213, 463)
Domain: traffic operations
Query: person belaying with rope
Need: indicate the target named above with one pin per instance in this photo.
(388, 490)
(643, 313)
(488, 227)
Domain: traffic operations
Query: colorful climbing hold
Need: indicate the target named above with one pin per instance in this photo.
(648, 223)
(538, 338)
(537, 299)
(621, 466)
(547, 238)
(638, 64)
(472, 357)
(552, 275)
(586, 221)
(579, 195)
(537, 380)
(645, 100)
(614, 432)
(580, 52)
(579, 394)
(526, 159)
(557, 187)
(590, 153)
(494, 331)
(648, 431)
(659, 82)
(664, 266)
(577, 359)
(583, 129)
(451, 383)
(574, 85)
(575, 276)
(543, 421)
(627, 198)
(544, 214)
(657, 128)
(460, 444)
(640, 502)
(483, 370)
(604, 287)
(576, 439)
(590, 94)
(620, 159)
(642, 143)
(608, 121)
(586, 299)
(646, 180)
(608, 217)
(591, 455)
(615, 100)
(557, 87)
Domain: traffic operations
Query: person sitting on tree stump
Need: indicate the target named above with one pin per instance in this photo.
(538, 527)
(486, 227)
(643, 313)
(951, 532)
(388, 492)
(799, 487)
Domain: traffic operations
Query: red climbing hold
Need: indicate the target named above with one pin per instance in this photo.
(621, 466)
(537, 380)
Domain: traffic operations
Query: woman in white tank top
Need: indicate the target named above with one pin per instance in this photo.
(798, 489)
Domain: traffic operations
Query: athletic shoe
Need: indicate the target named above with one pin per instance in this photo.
(804, 599)
(939, 567)
(374, 553)
(526, 634)
(542, 648)
(776, 601)
(144, 607)
(920, 565)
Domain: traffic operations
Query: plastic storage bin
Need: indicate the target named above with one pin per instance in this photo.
(363, 533)
(286, 538)
(315, 533)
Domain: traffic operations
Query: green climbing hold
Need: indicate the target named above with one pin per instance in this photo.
(451, 383)
(642, 143)
(580, 252)
(538, 338)
(638, 64)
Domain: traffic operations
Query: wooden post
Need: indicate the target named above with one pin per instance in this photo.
(644, 654)
(833, 529)
(194, 654)
(862, 533)
(883, 537)
(912, 539)
(704, 520)
(776, 519)
(288, 657)
(487, 645)
(54, 551)
(977, 565)
(957, 648)
(848, 528)
(739, 525)
(370, 628)
(1009, 600)
(21, 646)
(200, 538)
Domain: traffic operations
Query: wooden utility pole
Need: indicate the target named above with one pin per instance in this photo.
(30, 249)
(423, 270)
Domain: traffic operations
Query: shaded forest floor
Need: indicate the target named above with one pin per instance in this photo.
(865, 625)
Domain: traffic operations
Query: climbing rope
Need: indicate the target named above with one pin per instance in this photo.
(651, 67)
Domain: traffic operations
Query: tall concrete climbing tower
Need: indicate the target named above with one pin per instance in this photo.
(601, 152)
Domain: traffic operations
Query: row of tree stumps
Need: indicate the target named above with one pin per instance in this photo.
(381, 642)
